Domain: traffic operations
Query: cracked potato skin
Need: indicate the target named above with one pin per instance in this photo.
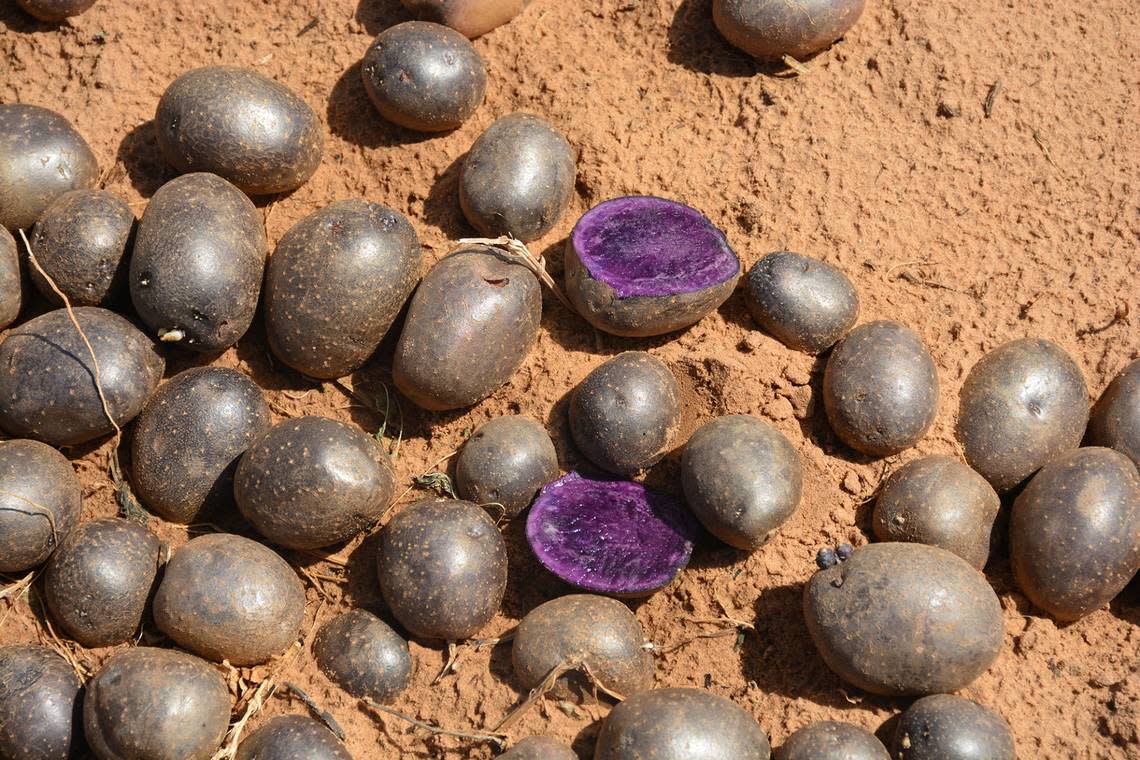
(539, 748)
(947, 727)
(471, 18)
(36, 476)
(831, 740)
(11, 283)
(40, 705)
(55, 10)
(292, 737)
(363, 655)
(806, 304)
(1115, 420)
(771, 29)
(506, 462)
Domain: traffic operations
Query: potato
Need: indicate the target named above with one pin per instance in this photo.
(539, 748)
(240, 125)
(946, 727)
(506, 462)
(97, 583)
(39, 705)
(641, 266)
(742, 479)
(625, 414)
(40, 502)
(443, 568)
(47, 378)
(198, 261)
(470, 325)
(1074, 532)
(1022, 405)
(861, 615)
(43, 158)
(831, 740)
(471, 18)
(806, 304)
(189, 438)
(311, 482)
(335, 284)
(361, 653)
(1115, 420)
(424, 76)
(518, 178)
(680, 724)
(11, 286)
(292, 737)
(938, 500)
(55, 10)
(225, 597)
(156, 703)
(880, 388)
(771, 29)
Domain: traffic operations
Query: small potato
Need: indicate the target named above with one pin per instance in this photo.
(946, 727)
(806, 304)
(335, 284)
(471, 18)
(361, 653)
(47, 378)
(55, 10)
(1115, 421)
(225, 597)
(198, 262)
(292, 737)
(39, 505)
(539, 748)
(506, 462)
(518, 178)
(242, 126)
(11, 286)
(39, 705)
(771, 29)
(880, 388)
(831, 740)
(98, 582)
(443, 568)
(625, 414)
(43, 158)
(424, 76)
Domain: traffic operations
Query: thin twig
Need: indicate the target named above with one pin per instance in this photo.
(991, 98)
(325, 716)
(566, 665)
(499, 740)
(14, 590)
(516, 249)
(261, 694)
(452, 657)
(1037, 138)
(1120, 315)
(423, 474)
(798, 66)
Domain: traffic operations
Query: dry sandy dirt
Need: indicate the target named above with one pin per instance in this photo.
(973, 229)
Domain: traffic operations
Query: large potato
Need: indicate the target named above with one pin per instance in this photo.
(771, 29)
(363, 655)
(292, 737)
(831, 740)
(39, 506)
(39, 697)
(1115, 420)
(947, 727)
(471, 18)
(11, 284)
(804, 303)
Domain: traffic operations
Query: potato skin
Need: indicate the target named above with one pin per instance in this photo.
(55, 10)
(505, 462)
(11, 285)
(40, 474)
(292, 737)
(806, 304)
(39, 705)
(831, 740)
(198, 262)
(771, 29)
(361, 653)
(539, 748)
(471, 18)
(946, 727)
(1115, 420)
(470, 325)
(335, 283)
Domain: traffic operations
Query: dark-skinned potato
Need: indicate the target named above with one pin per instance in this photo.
(742, 479)
(198, 261)
(1075, 532)
(861, 615)
(1022, 405)
(831, 740)
(225, 597)
(680, 724)
(292, 737)
(880, 388)
(505, 462)
(471, 18)
(39, 705)
(470, 325)
(1115, 420)
(242, 126)
(772, 29)
(11, 286)
(518, 178)
(47, 377)
(424, 76)
(55, 10)
(938, 500)
(443, 568)
(361, 653)
(41, 158)
(539, 748)
(335, 283)
(156, 703)
(946, 727)
(39, 506)
(806, 304)
(97, 583)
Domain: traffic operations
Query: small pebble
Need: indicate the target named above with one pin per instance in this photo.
(826, 558)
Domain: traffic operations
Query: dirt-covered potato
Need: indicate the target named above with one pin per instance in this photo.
(518, 178)
(1075, 532)
(946, 727)
(225, 597)
(938, 500)
(43, 158)
(880, 388)
(640, 266)
(335, 283)
(242, 126)
(471, 18)
(97, 583)
(292, 737)
(198, 261)
(424, 76)
(470, 325)
(55, 10)
(680, 724)
(40, 502)
(11, 286)
(361, 653)
(442, 568)
(1023, 404)
(831, 740)
(861, 615)
(742, 479)
(156, 703)
(39, 705)
(539, 748)
(47, 378)
(1115, 420)
(506, 462)
(804, 303)
(771, 29)
(625, 414)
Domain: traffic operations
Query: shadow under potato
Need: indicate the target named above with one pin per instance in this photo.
(377, 15)
(141, 158)
(442, 209)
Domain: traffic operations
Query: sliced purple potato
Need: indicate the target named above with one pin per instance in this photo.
(639, 266)
(611, 537)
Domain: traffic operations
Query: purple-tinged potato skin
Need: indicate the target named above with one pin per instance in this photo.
(861, 615)
(539, 748)
(1021, 406)
(1075, 532)
(640, 266)
(947, 727)
(39, 705)
(292, 737)
(832, 740)
(11, 285)
(880, 388)
(506, 462)
(55, 10)
(806, 304)
(47, 378)
(335, 284)
(40, 505)
(1115, 420)
(470, 325)
(771, 29)
(471, 18)
(361, 653)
